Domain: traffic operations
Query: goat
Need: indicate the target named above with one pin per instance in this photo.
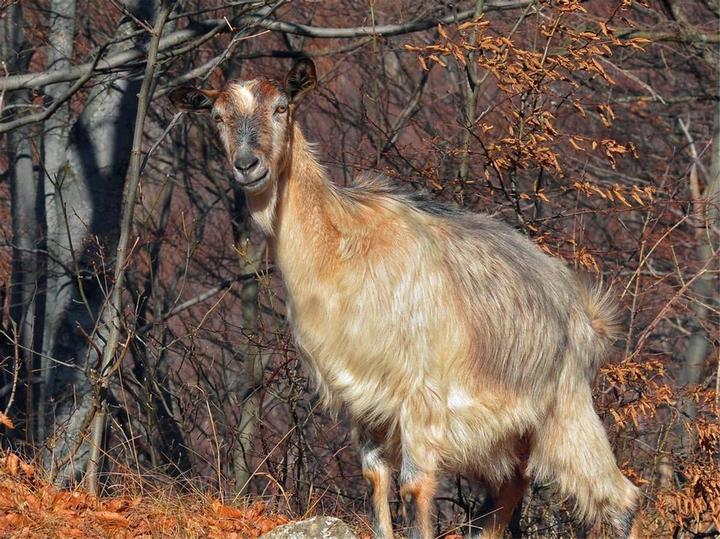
(452, 341)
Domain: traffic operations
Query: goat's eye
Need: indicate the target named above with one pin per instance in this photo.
(281, 109)
(217, 119)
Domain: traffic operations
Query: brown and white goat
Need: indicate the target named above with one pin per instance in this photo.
(451, 340)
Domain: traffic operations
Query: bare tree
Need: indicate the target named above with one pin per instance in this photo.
(26, 229)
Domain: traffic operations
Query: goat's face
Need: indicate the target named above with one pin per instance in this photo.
(254, 120)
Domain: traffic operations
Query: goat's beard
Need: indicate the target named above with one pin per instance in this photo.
(262, 207)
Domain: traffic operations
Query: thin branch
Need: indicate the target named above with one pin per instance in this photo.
(410, 109)
(152, 149)
(676, 36)
(225, 284)
(16, 370)
(634, 78)
(386, 30)
(201, 70)
(57, 103)
(36, 80)
(663, 312)
(217, 26)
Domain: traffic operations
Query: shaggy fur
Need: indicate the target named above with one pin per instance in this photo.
(452, 342)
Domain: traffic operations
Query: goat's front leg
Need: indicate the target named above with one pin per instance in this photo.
(377, 473)
(417, 487)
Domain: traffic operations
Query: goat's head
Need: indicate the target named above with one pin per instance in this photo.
(254, 119)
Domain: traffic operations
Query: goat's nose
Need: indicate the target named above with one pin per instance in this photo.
(245, 161)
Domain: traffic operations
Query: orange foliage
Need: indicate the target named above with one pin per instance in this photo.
(645, 395)
(536, 81)
(32, 508)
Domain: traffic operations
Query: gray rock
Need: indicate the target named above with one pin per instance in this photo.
(312, 528)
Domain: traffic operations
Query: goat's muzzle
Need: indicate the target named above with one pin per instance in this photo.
(250, 171)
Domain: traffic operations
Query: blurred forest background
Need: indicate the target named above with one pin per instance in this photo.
(143, 338)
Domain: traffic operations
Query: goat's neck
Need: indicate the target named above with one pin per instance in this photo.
(306, 236)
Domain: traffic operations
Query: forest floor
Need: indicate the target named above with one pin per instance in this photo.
(31, 507)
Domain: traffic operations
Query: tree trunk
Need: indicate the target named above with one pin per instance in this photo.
(55, 140)
(84, 209)
(706, 286)
(245, 391)
(26, 221)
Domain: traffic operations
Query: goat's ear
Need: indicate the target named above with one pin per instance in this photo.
(189, 99)
(300, 79)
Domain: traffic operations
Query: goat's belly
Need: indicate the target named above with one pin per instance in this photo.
(437, 407)
(371, 389)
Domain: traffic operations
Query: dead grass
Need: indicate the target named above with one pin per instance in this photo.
(30, 507)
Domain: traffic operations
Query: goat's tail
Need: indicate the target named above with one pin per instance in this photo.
(602, 309)
(604, 315)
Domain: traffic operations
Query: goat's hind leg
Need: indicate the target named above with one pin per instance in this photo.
(504, 493)
(376, 472)
(573, 449)
(497, 511)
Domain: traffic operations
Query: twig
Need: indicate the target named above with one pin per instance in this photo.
(2, 93)
(42, 116)
(632, 77)
(16, 370)
(217, 449)
(410, 109)
(698, 203)
(201, 70)
(666, 308)
(472, 90)
(113, 308)
(169, 127)
(386, 30)
(217, 26)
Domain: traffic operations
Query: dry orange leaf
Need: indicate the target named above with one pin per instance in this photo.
(33, 503)
(121, 504)
(6, 421)
(70, 532)
(27, 469)
(11, 520)
(12, 463)
(111, 518)
(225, 511)
(254, 511)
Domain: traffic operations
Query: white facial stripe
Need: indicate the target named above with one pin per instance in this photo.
(243, 97)
(247, 97)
